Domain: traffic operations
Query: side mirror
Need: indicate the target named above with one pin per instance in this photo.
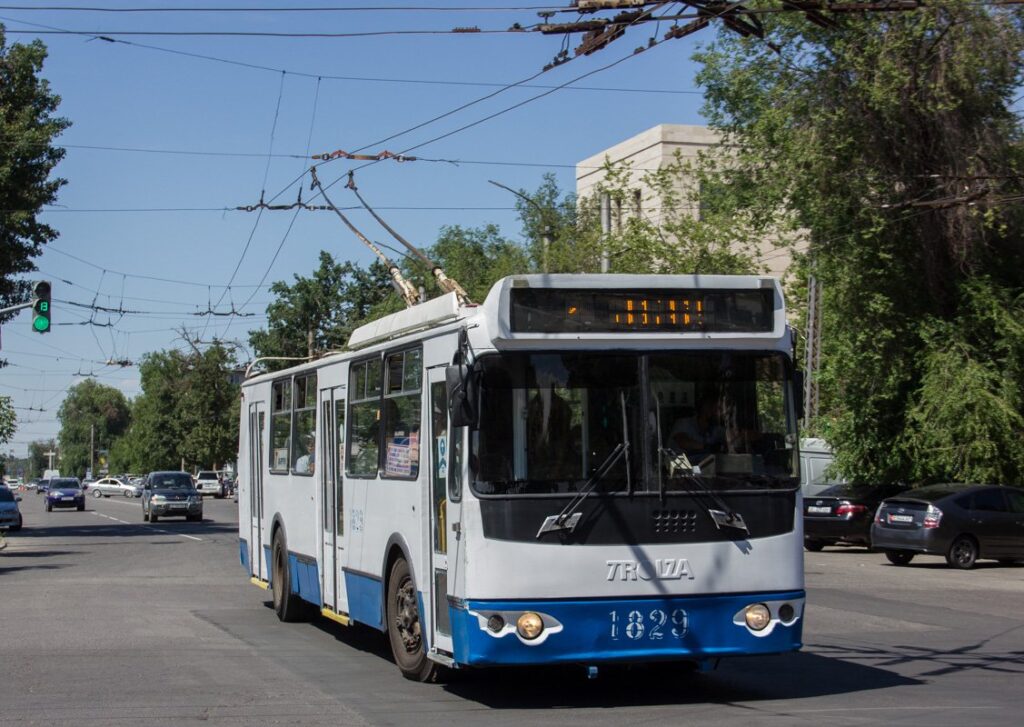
(147, 486)
(798, 392)
(461, 383)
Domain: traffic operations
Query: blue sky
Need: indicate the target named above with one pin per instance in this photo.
(120, 95)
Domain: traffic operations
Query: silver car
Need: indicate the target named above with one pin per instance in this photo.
(112, 486)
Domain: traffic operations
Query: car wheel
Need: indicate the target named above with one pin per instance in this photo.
(814, 546)
(97, 494)
(962, 553)
(405, 628)
(153, 517)
(127, 493)
(899, 557)
(49, 507)
(20, 522)
(81, 508)
(288, 606)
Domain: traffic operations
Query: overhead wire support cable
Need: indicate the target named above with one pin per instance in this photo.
(448, 285)
(405, 289)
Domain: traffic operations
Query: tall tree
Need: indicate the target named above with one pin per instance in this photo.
(891, 138)
(91, 417)
(8, 420)
(27, 157)
(318, 313)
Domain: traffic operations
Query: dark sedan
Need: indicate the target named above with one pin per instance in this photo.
(842, 514)
(65, 492)
(170, 494)
(961, 522)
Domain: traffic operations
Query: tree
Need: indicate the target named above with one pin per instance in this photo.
(8, 420)
(891, 139)
(38, 461)
(318, 313)
(27, 157)
(92, 415)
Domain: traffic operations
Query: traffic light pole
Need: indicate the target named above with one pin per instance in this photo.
(13, 308)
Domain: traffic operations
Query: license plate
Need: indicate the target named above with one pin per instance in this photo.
(67, 499)
(179, 504)
(901, 518)
(815, 509)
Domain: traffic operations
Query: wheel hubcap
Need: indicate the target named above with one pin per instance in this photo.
(962, 553)
(407, 616)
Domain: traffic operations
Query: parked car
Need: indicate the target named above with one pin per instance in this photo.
(44, 485)
(10, 515)
(815, 459)
(112, 486)
(843, 514)
(209, 483)
(961, 522)
(65, 492)
(33, 484)
(170, 494)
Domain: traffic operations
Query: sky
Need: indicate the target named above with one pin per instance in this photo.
(147, 222)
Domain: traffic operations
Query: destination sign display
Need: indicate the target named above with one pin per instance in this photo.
(546, 310)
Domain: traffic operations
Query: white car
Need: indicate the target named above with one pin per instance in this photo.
(209, 483)
(112, 486)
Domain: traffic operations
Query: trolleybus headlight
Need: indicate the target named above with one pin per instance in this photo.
(496, 623)
(530, 625)
(757, 616)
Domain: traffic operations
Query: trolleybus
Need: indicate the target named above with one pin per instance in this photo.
(582, 469)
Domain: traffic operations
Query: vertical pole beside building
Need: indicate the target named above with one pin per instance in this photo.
(606, 229)
(812, 349)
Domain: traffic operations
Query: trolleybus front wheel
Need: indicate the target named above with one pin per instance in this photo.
(405, 627)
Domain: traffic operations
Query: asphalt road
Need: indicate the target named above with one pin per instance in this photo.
(107, 620)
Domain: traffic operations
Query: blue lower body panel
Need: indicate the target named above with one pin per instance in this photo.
(626, 630)
(243, 554)
(305, 578)
(365, 599)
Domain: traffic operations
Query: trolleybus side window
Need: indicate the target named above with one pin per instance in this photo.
(280, 424)
(304, 425)
(364, 418)
(403, 413)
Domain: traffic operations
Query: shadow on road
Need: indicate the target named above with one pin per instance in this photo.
(35, 566)
(36, 553)
(126, 530)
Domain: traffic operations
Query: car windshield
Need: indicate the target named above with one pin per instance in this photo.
(171, 481)
(65, 484)
(6, 495)
(549, 421)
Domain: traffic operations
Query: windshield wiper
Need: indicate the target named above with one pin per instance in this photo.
(563, 520)
(724, 516)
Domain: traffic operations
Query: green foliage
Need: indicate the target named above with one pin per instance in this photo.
(891, 140)
(38, 462)
(188, 410)
(27, 157)
(318, 313)
(8, 420)
(90, 409)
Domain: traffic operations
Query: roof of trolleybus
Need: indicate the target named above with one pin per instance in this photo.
(596, 311)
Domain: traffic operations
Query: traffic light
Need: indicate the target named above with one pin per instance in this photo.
(41, 307)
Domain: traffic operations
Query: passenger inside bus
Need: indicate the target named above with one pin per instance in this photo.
(306, 464)
(700, 432)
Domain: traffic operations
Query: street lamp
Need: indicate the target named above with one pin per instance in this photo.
(545, 232)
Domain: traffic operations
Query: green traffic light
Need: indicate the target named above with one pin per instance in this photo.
(41, 324)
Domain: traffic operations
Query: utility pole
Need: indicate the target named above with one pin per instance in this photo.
(92, 447)
(812, 349)
(606, 229)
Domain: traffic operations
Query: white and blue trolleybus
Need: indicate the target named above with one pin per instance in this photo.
(582, 469)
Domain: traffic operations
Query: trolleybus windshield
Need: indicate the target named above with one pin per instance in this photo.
(548, 421)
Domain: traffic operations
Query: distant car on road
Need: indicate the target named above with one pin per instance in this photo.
(170, 494)
(65, 492)
(962, 522)
(209, 483)
(112, 486)
(10, 515)
(843, 514)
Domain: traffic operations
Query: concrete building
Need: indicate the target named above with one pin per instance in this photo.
(653, 149)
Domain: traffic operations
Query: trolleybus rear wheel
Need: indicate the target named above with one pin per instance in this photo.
(287, 605)
(405, 628)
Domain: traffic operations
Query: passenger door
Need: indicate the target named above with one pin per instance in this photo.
(444, 513)
(332, 509)
(992, 522)
(257, 422)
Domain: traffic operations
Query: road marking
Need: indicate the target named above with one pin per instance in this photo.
(155, 530)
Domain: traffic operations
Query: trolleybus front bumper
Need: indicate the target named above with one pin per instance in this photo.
(599, 630)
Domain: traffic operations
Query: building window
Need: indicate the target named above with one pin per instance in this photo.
(303, 450)
(280, 424)
(402, 414)
(364, 418)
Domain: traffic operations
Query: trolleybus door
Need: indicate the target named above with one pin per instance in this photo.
(257, 421)
(332, 445)
(444, 513)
